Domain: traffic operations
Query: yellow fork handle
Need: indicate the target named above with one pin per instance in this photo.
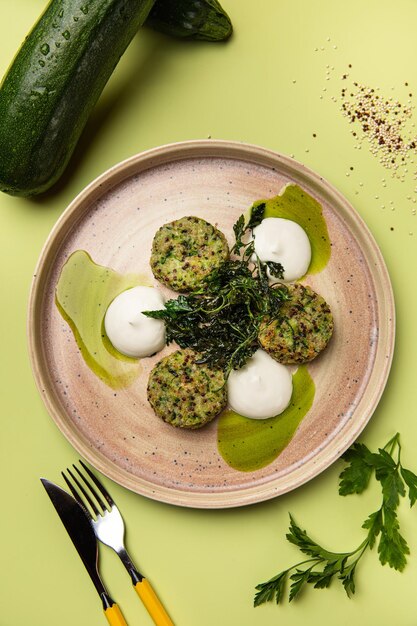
(114, 616)
(152, 603)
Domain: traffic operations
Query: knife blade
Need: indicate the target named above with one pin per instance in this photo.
(82, 535)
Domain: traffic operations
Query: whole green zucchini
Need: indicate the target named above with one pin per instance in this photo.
(55, 81)
(193, 19)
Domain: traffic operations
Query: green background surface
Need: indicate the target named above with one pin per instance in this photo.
(266, 86)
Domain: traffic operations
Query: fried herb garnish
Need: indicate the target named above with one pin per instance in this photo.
(221, 319)
(382, 526)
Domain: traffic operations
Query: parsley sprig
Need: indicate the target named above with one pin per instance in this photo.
(382, 526)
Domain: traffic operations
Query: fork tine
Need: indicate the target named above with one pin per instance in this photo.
(83, 491)
(98, 484)
(92, 490)
(73, 489)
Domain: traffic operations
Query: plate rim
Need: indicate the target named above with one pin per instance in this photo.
(217, 148)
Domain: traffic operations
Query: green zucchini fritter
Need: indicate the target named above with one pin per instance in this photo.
(186, 251)
(302, 330)
(184, 393)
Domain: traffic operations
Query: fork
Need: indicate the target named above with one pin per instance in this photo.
(109, 528)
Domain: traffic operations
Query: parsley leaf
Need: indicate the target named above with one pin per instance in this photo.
(272, 588)
(374, 525)
(299, 578)
(392, 488)
(392, 548)
(356, 476)
(410, 480)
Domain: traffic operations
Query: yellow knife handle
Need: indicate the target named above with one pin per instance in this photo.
(152, 603)
(114, 616)
(111, 610)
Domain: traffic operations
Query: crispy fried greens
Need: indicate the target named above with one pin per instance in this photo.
(220, 320)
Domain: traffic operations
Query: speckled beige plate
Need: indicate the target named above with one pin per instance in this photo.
(114, 219)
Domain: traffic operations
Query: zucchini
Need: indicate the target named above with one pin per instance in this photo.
(55, 81)
(192, 19)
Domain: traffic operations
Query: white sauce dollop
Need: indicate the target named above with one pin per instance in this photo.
(262, 388)
(131, 332)
(283, 241)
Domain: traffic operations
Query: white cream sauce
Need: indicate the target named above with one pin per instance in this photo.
(260, 389)
(131, 332)
(286, 242)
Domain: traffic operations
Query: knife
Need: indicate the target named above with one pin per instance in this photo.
(82, 535)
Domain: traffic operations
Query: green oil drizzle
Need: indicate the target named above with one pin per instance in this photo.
(297, 205)
(83, 293)
(247, 444)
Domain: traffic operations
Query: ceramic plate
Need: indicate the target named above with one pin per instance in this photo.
(114, 219)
